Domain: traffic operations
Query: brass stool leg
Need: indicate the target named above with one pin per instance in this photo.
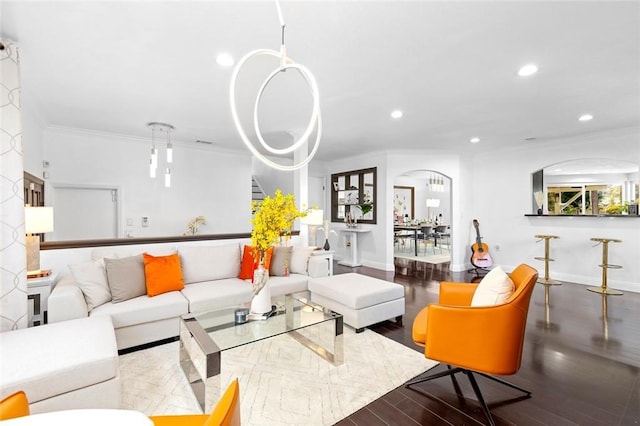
(546, 280)
(603, 289)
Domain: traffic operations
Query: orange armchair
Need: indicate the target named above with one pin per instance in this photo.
(225, 413)
(476, 339)
(14, 405)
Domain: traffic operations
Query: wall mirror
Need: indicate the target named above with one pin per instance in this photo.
(587, 187)
(354, 193)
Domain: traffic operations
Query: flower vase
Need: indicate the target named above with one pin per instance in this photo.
(261, 300)
(326, 247)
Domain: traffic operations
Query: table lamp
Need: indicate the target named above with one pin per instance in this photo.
(37, 220)
(313, 219)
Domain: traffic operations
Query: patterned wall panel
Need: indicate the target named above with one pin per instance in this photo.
(13, 282)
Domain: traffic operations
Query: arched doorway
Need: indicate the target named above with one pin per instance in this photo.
(422, 221)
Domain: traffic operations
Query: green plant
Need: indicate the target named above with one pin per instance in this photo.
(366, 205)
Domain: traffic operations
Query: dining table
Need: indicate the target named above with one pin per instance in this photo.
(438, 229)
(414, 229)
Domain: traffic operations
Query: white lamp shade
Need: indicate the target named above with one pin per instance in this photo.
(433, 202)
(38, 220)
(313, 217)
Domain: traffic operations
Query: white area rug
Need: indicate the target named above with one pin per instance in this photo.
(434, 259)
(281, 381)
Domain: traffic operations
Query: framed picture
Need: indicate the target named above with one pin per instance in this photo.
(403, 201)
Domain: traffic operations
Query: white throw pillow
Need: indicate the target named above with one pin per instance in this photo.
(208, 263)
(495, 288)
(300, 259)
(91, 277)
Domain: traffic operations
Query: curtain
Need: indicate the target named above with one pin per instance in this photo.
(13, 263)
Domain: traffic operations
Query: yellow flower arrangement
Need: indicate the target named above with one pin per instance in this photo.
(272, 221)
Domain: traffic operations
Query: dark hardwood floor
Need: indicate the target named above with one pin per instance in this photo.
(581, 361)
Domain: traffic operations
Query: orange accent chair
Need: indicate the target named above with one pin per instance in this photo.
(480, 339)
(15, 405)
(225, 413)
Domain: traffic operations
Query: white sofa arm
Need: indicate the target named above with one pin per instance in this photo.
(318, 267)
(66, 301)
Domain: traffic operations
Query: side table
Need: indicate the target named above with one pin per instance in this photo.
(325, 254)
(39, 290)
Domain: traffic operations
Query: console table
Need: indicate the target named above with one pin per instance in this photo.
(351, 234)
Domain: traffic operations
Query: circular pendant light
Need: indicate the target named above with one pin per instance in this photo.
(315, 121)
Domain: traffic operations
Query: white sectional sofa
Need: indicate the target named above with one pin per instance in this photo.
(62, 366)
(211, 281)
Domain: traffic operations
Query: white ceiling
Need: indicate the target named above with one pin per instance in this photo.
(450, 66)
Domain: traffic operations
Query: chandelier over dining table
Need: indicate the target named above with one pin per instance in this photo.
(435, 183)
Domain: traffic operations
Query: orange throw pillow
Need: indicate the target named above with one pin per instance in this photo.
(250, 264)
(162, 274)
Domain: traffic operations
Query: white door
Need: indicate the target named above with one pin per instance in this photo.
(82, 213)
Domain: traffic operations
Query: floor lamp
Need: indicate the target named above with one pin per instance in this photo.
(37, 220)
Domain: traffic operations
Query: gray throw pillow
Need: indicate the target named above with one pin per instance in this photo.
(126, 278)
(280, 259)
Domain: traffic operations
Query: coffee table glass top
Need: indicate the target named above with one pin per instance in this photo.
(293, 312)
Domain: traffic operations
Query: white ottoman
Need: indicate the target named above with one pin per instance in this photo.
(66, 365)
(361, 300)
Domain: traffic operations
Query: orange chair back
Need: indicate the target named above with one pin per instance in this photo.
(15, 405)
(524, 278)
(227, 412)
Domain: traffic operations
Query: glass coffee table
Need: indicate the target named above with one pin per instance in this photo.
(204, 337)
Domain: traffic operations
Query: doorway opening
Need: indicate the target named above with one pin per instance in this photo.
(422, 221)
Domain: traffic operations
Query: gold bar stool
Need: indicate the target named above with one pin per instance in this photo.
(546, 280)
(603, 289)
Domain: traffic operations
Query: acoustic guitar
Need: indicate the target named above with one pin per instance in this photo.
(480, 257)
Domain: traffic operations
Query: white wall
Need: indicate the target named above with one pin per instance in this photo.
(501, 196)
(204, 182)
(32, 138)
(372, 245)
(272, 179)
(498, 197)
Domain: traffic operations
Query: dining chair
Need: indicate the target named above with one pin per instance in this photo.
(425, 236)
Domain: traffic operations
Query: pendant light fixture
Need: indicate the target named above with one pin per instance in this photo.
(435, 183)
(159, 132)
(314, 123)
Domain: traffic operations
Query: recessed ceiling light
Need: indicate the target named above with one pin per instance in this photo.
(396, 114)
(474, 140)
(586, 117)
(528, 70)
(224, 60)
